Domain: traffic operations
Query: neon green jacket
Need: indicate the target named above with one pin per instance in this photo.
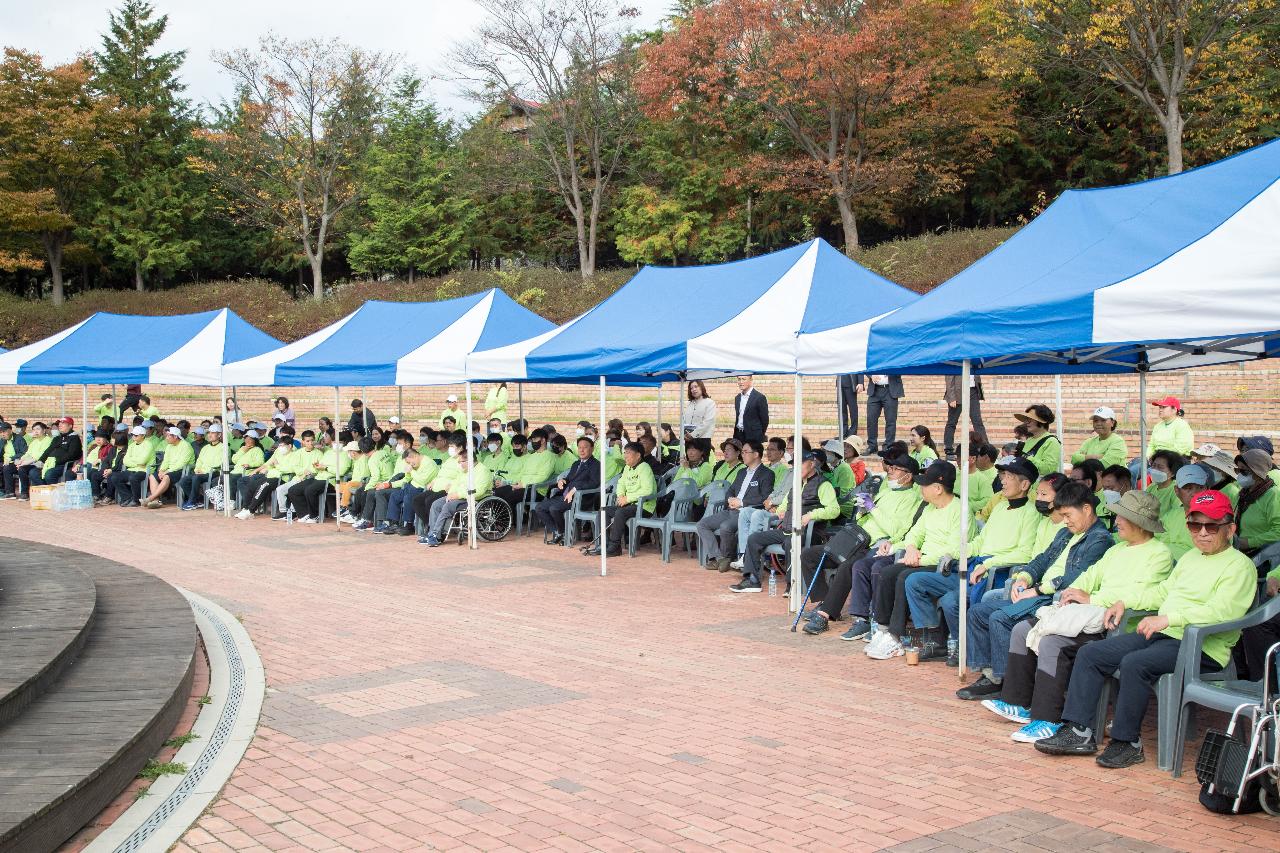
(980, 488)
(139, 456)
(1260, 524)
(426, 472)
(924, 455)
(1133, 574)
(176, 457)
(459, 418)
(210, 458)
(635, 483)
(1047, 455)
(482, 481)
(1176, 435)
(360, 468)
(282, 465)
(335, 466)
(37, 446)
(1204, 590)
(564, 462)
(1009, 535)
(937, 533)
(304, 460)
(107, 409)
(538, 468)
(1110, 450)
(246, 459)
(722, 471)
(700, 475)
(828, 505)
(495, 403)
(613, 461)
(381, 468)
(1176, 537)
(894, 511)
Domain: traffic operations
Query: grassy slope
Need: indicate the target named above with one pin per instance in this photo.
(919, 263)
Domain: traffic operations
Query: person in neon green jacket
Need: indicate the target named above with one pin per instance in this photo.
(982, 476)
(1105, 446)
(178, 454)
(923, 450)
(495, 402)
(1171, 432)
(480, 481)
(1163, 470)
(539, 464)
(148, 411)
(635, 482)
(207, 464)
(895, 509)
(1259, 502)
(139, 456)
(38, 441)
(107, 408)
(612, 455)
(451, 410)
(728, 467)
(1041, 447)
(1210, 584)
(694, 467)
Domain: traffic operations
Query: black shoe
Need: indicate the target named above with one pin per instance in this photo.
(1067, 742)
(555, 539)
(953, 659)
(931, 651)
(817, 624)
(612, 552)
(593, 551)
(746, 585)
(406, 530)
(980, 689)
(1119, 754)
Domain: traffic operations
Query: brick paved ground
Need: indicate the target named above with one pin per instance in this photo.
(512, 699)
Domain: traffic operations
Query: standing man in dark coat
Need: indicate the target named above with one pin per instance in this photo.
(883, 393)
(952, 394)
(750, 412)
(848, 385)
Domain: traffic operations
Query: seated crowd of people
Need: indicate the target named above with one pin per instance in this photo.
(1071, 576)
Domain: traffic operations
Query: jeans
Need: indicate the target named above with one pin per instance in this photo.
(751, 520)
(400, 504)
(1140, 663)
(923, 594)
(192, 485)
(442, 512)
(989, 626)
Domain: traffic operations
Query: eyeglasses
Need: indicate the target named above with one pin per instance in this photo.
(1210, 527)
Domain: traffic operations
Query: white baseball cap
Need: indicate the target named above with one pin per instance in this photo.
(452, 398)
(137, 431)
(175, 432)
(393, 419)
(1105, 412)
(239, 426)
(253, 433)
(200, 430)
(214, 428)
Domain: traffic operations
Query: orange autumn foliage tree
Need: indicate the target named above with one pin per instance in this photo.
(861, 87)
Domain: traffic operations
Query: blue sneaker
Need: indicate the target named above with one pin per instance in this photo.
(1034, 731)
(432, 541)
(1012, 713)
(424, 540)
(189, 507)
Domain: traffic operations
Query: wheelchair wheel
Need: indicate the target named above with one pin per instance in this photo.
(493, 519)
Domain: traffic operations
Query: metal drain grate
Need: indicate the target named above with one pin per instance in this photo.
(226, 721)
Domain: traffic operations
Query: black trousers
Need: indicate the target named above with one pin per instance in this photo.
(849, 412)
(1040, 683)
(304, 497)
(422, 507)
(891, 596)
(256, 490)
(1251, 651)
(953, 418)
(617, 517)
(192, 485)
(97, 481)
(17, 480)
(128, 485)
(1139, 662)
(878, 402)
(510, 494)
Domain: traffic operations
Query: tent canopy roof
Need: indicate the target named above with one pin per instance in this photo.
(1170, 273)
(704, 321)
(187, 349)
(394, 343)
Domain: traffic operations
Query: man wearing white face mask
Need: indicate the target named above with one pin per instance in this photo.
(449, 468)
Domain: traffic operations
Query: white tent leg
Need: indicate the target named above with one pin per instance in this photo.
(962, 470)
(797, 581)
(684, 392)
(604, 556)
(840, 407)
(400, 404)
(226, 456)
(1057, 402)
(337, 413)
(471, 479)
(520, 395)
(1142, 430)
(84, 428)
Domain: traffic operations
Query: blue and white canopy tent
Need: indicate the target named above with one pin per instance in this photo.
(187, 349)
(395, 343)
(1172, 273)
(681, 323)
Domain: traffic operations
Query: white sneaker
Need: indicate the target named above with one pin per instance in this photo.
(891, 649)
(243, 514)
(306, 519)
(736, 564)
(877, 639)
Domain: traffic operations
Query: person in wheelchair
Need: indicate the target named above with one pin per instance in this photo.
(584, 474)
(455, 498)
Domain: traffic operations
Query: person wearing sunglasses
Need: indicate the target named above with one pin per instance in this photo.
(1211, 583)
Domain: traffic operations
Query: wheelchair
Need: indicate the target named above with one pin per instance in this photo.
(493, 521)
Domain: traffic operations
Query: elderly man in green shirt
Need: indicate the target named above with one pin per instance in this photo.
(208, 462)
(1212, 583)
(178, 454)
(138, 458)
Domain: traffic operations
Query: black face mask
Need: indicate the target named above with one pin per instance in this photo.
(1044, 507)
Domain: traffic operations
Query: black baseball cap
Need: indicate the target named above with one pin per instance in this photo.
(1021, 466)
(907, 462)
(939, 471)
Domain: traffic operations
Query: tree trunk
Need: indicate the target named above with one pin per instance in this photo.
(411, 273)
(137, 276)
(849, 222)
(317, 276)
(1173, 124)
(53, 249)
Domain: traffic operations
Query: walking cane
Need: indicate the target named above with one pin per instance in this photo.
(807, 592)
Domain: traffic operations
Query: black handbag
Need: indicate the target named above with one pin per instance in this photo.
(848, 542)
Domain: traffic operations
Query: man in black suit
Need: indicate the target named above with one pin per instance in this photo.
(883, 393)
(750, 412)
(584, 474)
(848, 392)
(718, 532)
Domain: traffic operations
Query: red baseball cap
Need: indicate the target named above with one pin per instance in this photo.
(1212, 503)
(65, 420)
(1168, 401)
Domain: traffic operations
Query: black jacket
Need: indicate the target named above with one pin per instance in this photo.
(63, 449)
(363, 420)
(894, 389)
(585, 474)
(760, 487)
(755, 420)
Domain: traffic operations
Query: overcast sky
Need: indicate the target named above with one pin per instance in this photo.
(420, 31)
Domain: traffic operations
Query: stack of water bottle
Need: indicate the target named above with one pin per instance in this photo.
(73, 494)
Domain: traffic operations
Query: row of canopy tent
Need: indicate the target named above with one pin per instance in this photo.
(1166, 274)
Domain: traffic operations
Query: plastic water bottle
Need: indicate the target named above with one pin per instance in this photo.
(773, 584)
(951, 647)
(288, 514)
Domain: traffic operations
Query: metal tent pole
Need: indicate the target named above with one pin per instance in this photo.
(471, 479)
(1142, 429)
(604, 555)
(226, 455)
(520, 393)
(797, 581)
(684, 392)
(1057, 401)
(962, 462)
(84, 427)
(337, 504)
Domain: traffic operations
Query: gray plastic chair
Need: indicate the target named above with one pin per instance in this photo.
(524, 507)
(715, 496)
(1223, 693)
(679, 519)
(591, 517)
(640, 520)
